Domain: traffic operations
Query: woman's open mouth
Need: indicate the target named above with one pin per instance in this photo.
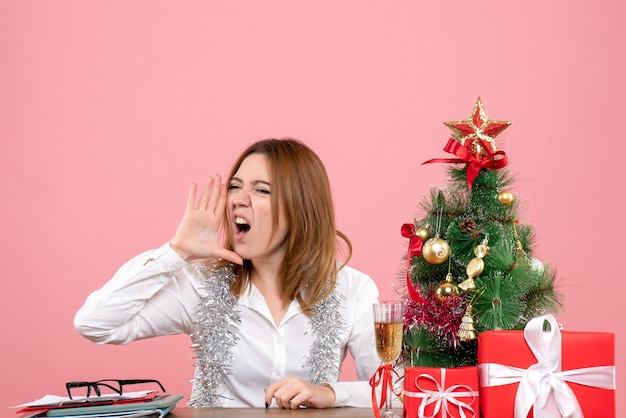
(242, 225)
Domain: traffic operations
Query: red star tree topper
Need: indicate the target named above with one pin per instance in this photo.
(473, 143)
(479, 130)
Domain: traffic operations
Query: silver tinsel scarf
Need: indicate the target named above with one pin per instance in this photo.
(324, 359)
(215, 334)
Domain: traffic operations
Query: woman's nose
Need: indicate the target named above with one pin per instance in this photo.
(241, 197)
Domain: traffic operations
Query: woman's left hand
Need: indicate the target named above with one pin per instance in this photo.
(292, 392)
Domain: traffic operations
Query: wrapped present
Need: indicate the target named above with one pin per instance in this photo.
(431, 392)
(548, 372)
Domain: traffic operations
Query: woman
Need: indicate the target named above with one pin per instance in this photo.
(270, 311)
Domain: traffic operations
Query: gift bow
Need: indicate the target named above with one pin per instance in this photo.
(382, 375)
(475, 163)
(544, 382)
(442, 397)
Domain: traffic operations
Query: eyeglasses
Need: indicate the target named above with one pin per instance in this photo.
(115, 385)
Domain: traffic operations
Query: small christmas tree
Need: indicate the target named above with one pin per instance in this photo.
(469, 266)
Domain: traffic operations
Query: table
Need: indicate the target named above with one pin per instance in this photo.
(273, 412)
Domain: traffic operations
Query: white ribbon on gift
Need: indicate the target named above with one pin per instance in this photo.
(441, 397)
(544, 383)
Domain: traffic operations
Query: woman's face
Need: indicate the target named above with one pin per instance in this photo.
(250, 214)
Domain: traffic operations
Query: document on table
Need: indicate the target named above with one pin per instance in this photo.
(56, 400)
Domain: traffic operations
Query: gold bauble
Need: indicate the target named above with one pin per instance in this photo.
(505, 197)
(436, 250)
(423, 233)
(447, 288)
(475, 267)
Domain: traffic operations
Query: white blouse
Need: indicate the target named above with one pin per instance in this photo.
(156, 293)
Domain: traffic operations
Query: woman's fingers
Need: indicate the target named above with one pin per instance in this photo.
(191, 197)
(231, 256)
(214, 196)
(283, 396)
(205, 196)
(292, 393)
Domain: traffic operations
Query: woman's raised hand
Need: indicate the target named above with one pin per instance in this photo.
(198, 233)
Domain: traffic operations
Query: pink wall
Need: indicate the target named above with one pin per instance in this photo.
(109, 110)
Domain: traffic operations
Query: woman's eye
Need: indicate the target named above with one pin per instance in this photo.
(262, 191)
(233, 187)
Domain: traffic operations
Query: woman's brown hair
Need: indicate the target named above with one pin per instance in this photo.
(299, 181)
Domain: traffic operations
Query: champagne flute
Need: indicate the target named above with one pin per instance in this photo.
(388, 327)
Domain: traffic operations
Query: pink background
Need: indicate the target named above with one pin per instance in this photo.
(109, 110)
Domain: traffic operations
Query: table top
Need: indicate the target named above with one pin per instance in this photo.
(273, 412)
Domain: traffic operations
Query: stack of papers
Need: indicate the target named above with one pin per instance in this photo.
(128, 405)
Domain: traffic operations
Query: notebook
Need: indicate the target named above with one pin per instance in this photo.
(163, 403)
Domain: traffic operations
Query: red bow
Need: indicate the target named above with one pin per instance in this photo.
(383, 374)
(474, 162)
(415, 249)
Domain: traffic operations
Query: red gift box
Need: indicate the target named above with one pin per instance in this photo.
(559, 373)
(446, 393)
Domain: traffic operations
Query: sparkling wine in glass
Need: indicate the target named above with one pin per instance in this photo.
(388, 327)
